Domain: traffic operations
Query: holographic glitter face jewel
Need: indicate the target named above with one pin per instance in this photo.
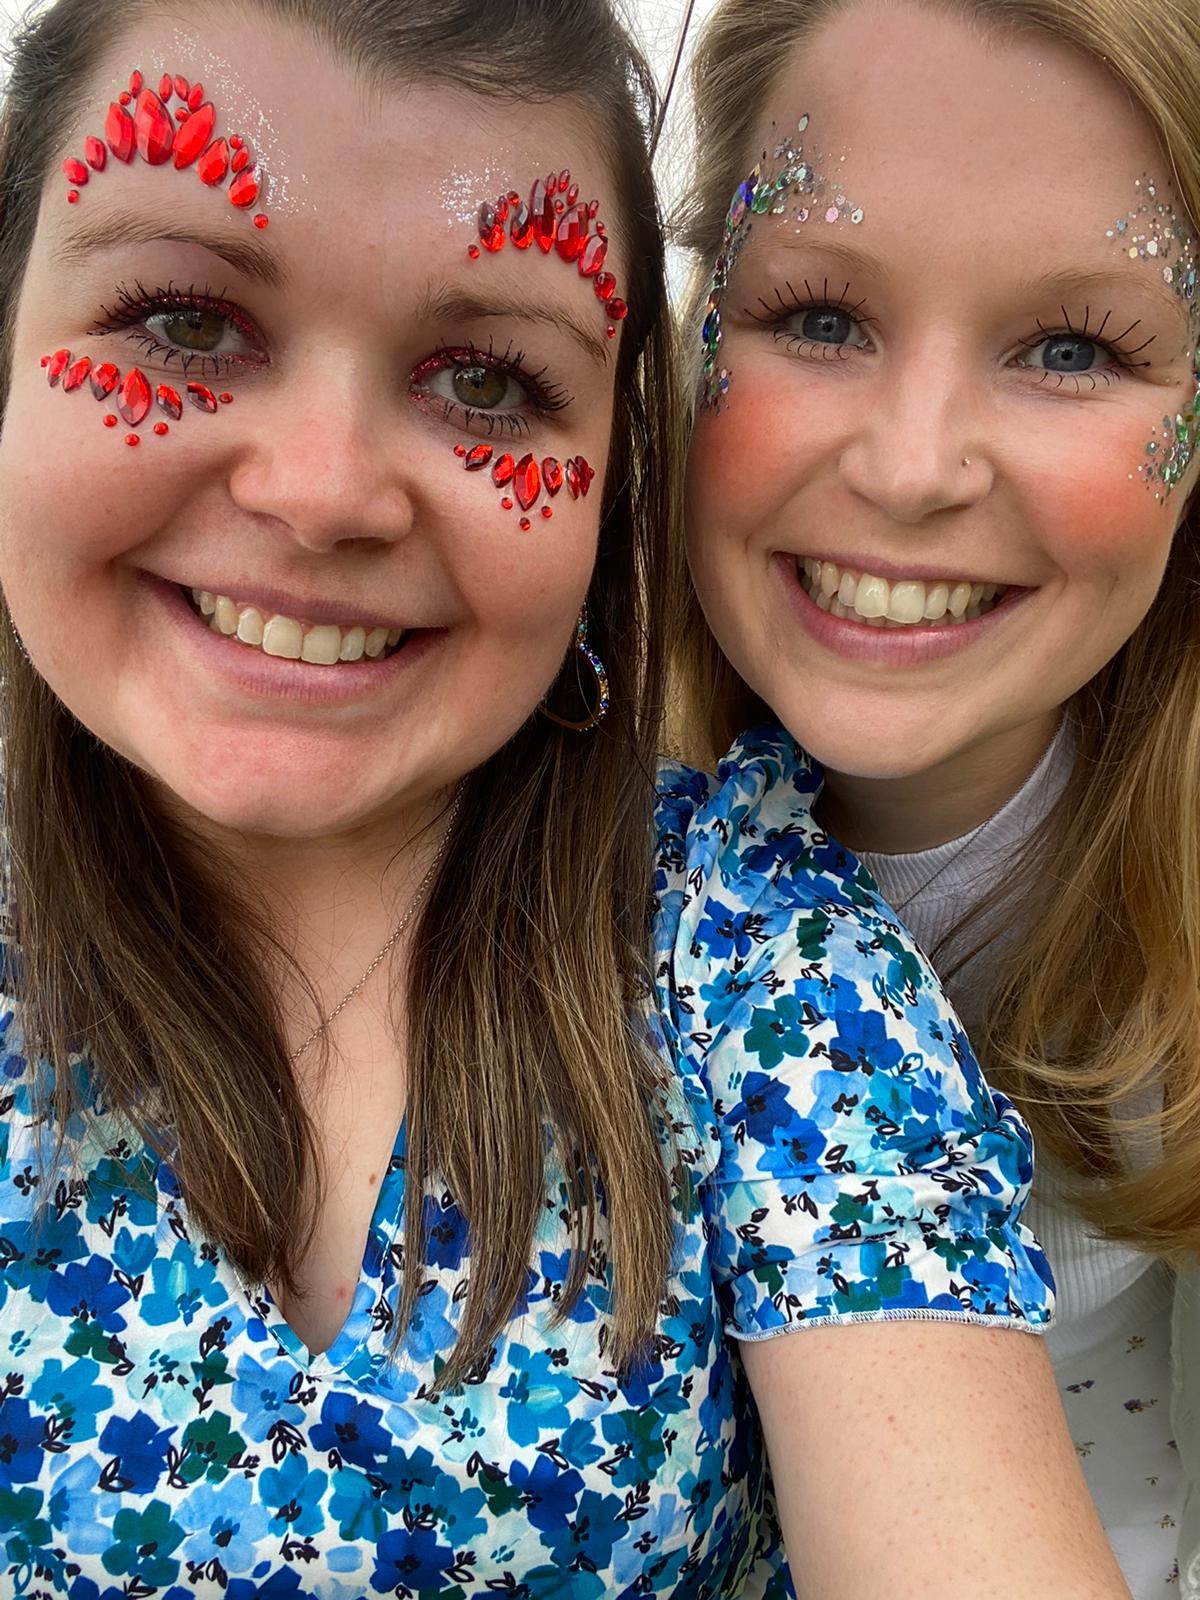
(786, 175)
(130, 392)
(1155, 232)
(528, 478)
(157, 136)
(555, 220)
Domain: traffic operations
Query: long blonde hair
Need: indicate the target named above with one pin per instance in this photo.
(1101, 998)
(530, 961)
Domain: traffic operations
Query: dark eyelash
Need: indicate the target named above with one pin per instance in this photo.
(133, 306)
(546, 397)
(1114, 342)
(809, 301)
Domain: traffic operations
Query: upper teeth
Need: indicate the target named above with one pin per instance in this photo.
(322, 644)
(906, 603)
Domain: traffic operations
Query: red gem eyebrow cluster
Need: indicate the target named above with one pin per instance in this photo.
(135, 396)
(527, 477)
(554, 218)
(150, 131)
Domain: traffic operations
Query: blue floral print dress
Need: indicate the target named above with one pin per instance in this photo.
(163, 1432)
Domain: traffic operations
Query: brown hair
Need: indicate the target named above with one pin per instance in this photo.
(529, 963)
(1101, 999)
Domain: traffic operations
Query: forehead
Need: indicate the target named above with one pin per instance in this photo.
(344, 159)
(943, 128)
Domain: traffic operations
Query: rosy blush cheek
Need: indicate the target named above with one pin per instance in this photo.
(137, 403)
(1104, 519)
(743, 456)
(529, 484)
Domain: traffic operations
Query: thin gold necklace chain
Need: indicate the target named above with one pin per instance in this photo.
(409, 912)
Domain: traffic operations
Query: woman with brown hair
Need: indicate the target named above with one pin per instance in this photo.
(362, 1228)
(942, 526)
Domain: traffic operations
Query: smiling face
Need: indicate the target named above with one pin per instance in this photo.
(929, 504)
(327, 555)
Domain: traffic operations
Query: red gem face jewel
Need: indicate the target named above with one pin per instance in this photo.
(527, 482)
(96, 152)
(474, 252)
(110, 421)
(236, 142)
(166, 85)
(72, 197)
(261, 222)
(520, 229)
(573, 195)
(595, 253)
(59, 362)
(491, 233)
(547, 513)
(161, 428)
(202, 397)
(169, 400)
(503, 470)
(605, 285)
(135, 83)
(182, 114)
(133, 397)
(243, 191)
(544, 224)
(460, 450)
(76, 171)
(478, 458)
(612, 332)
(525, 524)
(191, 140)
(132, 438)
(573, 478)
(225, 399)
(593, 208)
(586, 474)
(125, 97)
(182, 88)
(154, 128)
(552, 183)
(560, 206)
(104, 379)
(564, 180)
(76, 373)
(213, 165)
(618, 310)
(502, 209)
(120, 133)
(506, 504)
(572, 234)
(552, 475)
(196, 98)
(241, 160)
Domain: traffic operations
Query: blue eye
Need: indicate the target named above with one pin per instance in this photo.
(1066, 352)
(827, 325)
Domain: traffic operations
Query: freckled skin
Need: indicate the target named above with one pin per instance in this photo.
(971, 217)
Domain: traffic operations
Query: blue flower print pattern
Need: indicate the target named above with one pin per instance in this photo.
(867, 1171)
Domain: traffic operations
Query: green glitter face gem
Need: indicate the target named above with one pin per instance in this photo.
(796, 176)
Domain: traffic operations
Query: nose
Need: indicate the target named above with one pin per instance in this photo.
(920, 448)
(322, 460)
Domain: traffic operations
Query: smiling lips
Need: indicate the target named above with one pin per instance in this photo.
(320, 644)
(910, 603)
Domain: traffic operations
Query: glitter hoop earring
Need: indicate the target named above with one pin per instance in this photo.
(600, 710)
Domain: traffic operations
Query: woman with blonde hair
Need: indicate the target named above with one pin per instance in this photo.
(942, 525)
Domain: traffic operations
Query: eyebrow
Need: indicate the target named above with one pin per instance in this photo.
(459, 305)
(107, 233)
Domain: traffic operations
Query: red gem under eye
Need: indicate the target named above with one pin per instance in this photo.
(96, 152)
(243, 191)
(595, 253)
(506, 504)
(59, 362)
(72, 197)
(76, 171)
(525, 524)
(605, 285)
(76, 373)
(527, 482)
(547, 513)
(155, 130)
(196, 99)
(182, 88)
(573, 194)
(225, 399)
(191, 140)
(202, 397)
(132, 438)
(618, 310)
(520, 229)
(460, 450)
(169, 400)
(572, 234)
(552, 474)
(161, 428)
(104, 379)
(586, 474)
(490, 232)
(133, 397)
(503, 470)
(120, 133)
(478, 458)
(241, 160)
(573, 478)
(110, 421)
(213, 165)
(135, 83)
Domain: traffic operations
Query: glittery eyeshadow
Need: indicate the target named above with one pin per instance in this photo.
(786, 175)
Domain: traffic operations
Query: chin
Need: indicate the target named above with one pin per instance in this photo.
(853, 742)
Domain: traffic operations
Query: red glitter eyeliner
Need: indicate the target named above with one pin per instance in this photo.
(137, 306)
(551, 223)
(134, 395)
(156, 134)
(527, 477)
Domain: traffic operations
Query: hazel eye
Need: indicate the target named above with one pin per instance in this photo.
(195, 329)
(1065, 352)
(478, 387)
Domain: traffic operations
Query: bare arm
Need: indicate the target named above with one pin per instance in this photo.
(919, 1460)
